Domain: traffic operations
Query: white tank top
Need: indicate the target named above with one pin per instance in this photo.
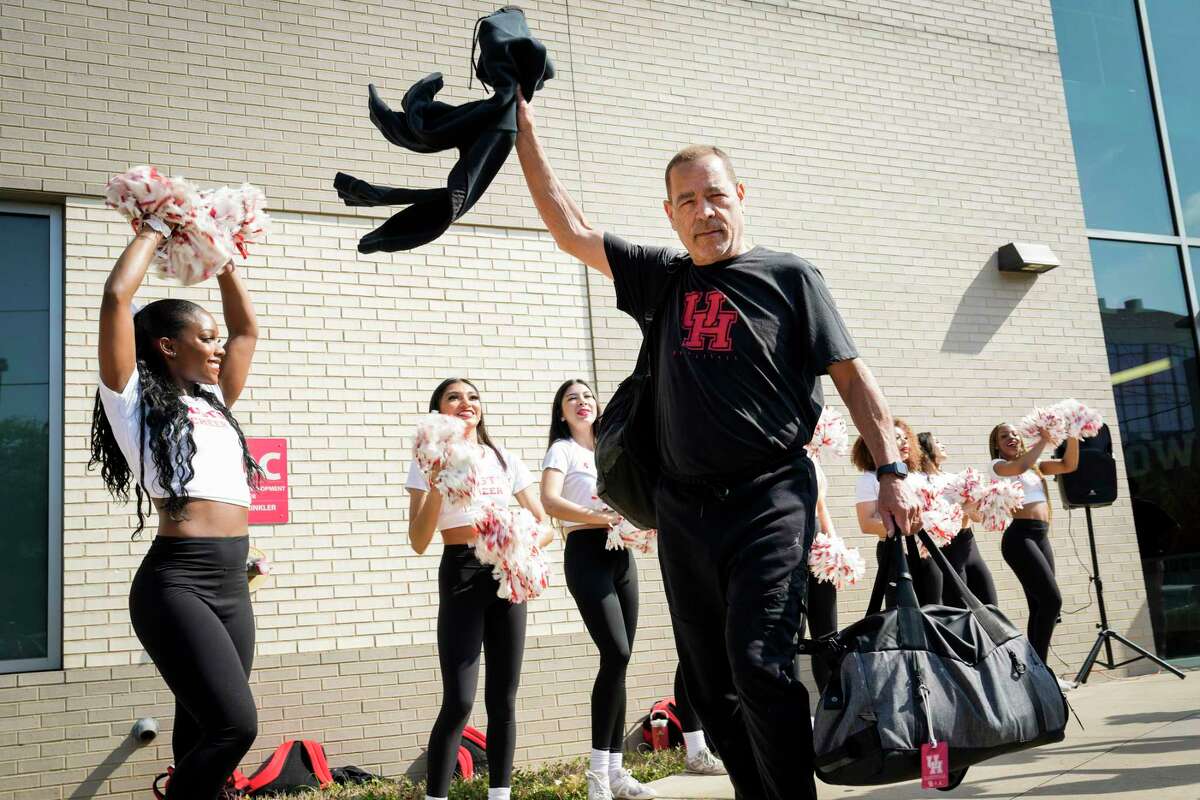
(1030, 481)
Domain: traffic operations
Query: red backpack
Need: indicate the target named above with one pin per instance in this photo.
(295, 764)
(674, 728)
(472, 754)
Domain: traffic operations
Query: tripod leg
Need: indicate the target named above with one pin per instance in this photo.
(1145, 653)
(1086, 669)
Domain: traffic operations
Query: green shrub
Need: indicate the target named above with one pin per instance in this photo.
(560, 780)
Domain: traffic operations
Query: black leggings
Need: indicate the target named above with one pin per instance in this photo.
(604, 585)
(1026, 548)
(190, 607)
(471, 616)
(963, 554)
(821, 620)
(926, 575)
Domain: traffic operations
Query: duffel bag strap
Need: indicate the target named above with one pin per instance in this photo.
(997, 631)
(893, 568)
(908, 608)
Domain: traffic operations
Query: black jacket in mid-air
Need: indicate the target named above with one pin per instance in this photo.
(483, 132)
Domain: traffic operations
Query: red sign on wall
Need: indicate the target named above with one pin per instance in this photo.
(269, 503)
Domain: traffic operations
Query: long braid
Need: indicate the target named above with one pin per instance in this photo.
(254, 472)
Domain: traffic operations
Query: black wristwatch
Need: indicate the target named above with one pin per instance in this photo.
(897, 468)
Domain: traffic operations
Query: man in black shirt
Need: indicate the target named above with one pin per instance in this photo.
(743, 335)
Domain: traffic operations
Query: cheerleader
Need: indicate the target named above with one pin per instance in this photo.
(471, 615)
(962, 553)
(927, 578)
(603, 581)
(1025, 544)
(162, 425)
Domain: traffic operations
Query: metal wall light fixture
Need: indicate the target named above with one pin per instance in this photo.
(1026, 257)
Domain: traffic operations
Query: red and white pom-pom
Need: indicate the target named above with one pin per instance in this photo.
(144, 192)
(940, 518)
(1048, 419)
(625, 535)
(997, 502)
(1066, 418)
(238, 213)
(1082, 422)
(830, 437)
(962, 487)
(197, 251)
(209, 227)
(507, 541)
(831, 561)
(440, 444)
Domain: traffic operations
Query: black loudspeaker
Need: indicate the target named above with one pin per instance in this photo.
(1094, 484)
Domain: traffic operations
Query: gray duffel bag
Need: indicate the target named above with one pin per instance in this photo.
(909, 676)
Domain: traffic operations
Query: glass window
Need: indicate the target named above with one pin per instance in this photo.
(1152, 358)
(1112, 120)
(1175, 30)
(30, 438)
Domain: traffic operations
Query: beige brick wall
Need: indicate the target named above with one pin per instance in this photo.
(895, 145)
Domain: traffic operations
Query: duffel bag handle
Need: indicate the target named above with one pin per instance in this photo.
(995, 629)
(893, 567)
(908, 608)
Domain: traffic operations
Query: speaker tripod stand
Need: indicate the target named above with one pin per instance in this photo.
(1105, 637)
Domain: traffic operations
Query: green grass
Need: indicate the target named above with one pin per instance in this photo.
(562, 780)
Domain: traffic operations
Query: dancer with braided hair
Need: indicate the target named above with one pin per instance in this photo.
(162, 425)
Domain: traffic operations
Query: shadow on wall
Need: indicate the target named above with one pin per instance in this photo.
(983, 308)
(418, 768)
(90, 786)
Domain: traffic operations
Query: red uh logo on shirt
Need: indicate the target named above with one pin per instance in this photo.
(708, 326)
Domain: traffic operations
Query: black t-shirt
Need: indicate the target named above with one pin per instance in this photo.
(741, 347)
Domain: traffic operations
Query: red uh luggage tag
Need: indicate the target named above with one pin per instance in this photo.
(935, 755)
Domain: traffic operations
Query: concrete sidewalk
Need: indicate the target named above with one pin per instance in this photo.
(1141, 741)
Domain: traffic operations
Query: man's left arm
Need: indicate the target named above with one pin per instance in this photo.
(869, 409)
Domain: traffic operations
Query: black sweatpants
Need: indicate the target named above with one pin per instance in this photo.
(734, 563)
(926, 575)
(688, 721)
(821, 620)
(470, 617)
(190, 608)
(604, 585)
(1026, 548)
(963, 554)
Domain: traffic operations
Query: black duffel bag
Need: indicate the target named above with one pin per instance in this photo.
(627, 460)
(909, 676)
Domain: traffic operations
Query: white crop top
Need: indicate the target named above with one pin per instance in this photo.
(219, 473)
(578, 466)
(1031, 482)
(492, 483)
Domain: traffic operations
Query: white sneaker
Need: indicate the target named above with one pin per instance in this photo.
(704, 763)
(627, 787)
(1067, 686)
(597, 787)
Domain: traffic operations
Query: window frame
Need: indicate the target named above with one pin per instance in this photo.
(53, 659)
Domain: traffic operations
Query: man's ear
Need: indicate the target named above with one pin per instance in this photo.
(670, 211)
